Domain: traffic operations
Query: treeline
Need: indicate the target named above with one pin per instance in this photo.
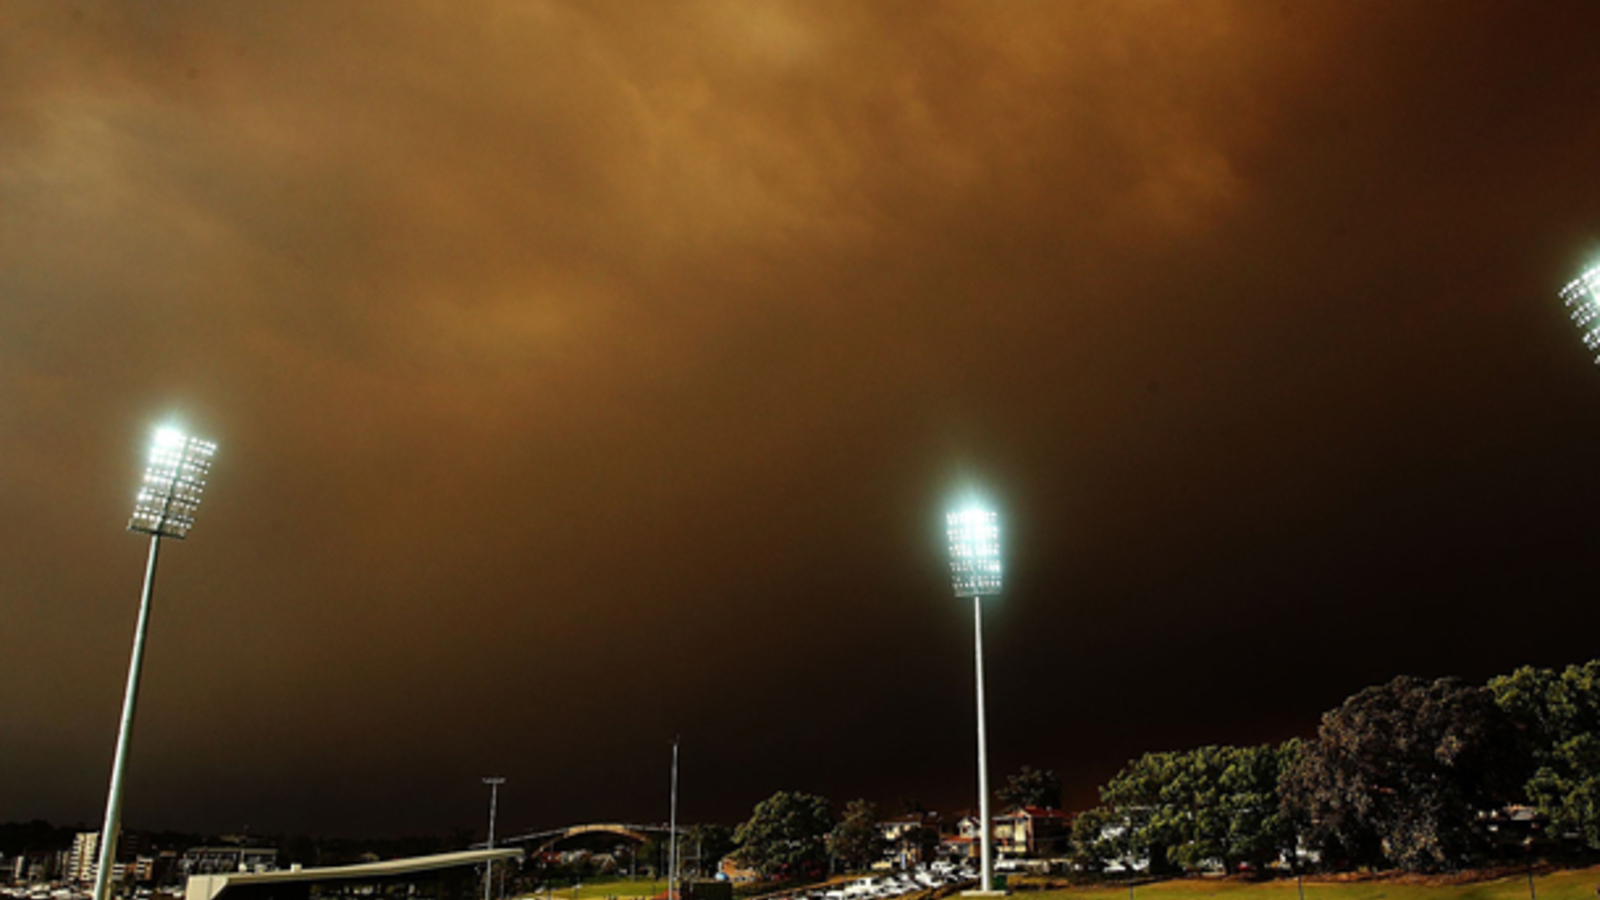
(795, 835)
(1413, 774)
(37, 835)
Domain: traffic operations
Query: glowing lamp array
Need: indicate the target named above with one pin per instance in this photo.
(1582, 302)
(173, 482)
(974, 552)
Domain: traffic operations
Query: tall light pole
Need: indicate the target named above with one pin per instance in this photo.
(974, 532)
(1582, 297)
(494, 783)
(672, 829)
(165, 506)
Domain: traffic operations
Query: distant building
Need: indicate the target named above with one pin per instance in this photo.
(168, 867)
(1517, 827)
(731, 869)
(956, 847)
(1032, 832)
(33, 866)
(912, 838)
(225, 860)
(82, 859)
(141, 869)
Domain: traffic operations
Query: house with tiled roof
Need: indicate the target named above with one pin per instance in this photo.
(1032, 832)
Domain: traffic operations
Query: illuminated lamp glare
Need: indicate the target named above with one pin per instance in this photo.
(174, 479)
(1582, 298)
(975, 568)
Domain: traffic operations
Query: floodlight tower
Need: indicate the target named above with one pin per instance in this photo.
(1582, 297)
(165, 506)
(975, 572)
(494, 783)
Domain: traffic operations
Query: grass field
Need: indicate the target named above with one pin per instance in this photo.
(599, 890)
(1575, 884)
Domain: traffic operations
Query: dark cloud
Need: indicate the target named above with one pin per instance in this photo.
(588, 373)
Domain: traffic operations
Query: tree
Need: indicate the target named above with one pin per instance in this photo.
(1398, 772)
(856, 841)
(1103, 836)
(1260, 830)
(1032, 787)
(1140, 823)
(1558, 715)
(786, 834)
(1195, 808)
(705, 846)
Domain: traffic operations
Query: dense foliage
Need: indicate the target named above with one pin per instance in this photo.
(1032, 787)
(1166, 810)
(1408, 774)
(38, 835)
(786, 835)
(1399, 772)
(856, 842)
(704, 847)
(1559, 716)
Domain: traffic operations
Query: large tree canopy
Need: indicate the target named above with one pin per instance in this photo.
(1212, 805)
(856, 841)
(1559, 715)
(786, 834)
(1398, 773)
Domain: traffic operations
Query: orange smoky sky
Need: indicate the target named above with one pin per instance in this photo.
(590, 373)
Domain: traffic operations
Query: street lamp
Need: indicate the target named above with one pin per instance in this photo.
(494, 783)
(1584, 304)
(165, 506)
(975, 572)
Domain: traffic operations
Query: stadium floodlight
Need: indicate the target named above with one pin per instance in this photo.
(173, 482)
(974, 552)
(164, 507)
(975, 571)
(1582, 297)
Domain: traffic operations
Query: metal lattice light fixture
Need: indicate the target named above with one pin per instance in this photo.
(173, 482)
(1582, 297)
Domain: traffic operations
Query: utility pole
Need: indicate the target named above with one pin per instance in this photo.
(488, 865)
(672, 829)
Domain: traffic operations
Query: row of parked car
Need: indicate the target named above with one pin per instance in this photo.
(881, 887)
